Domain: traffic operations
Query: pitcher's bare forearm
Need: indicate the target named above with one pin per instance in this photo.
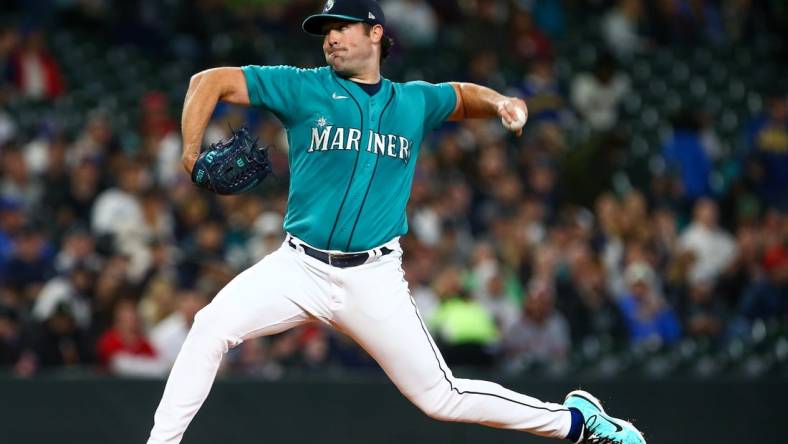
(206, 89)
(475, 101)
(479, 102)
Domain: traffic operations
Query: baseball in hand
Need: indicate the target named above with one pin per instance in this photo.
(517, 123)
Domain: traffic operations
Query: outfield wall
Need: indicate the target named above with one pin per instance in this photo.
(370, 411)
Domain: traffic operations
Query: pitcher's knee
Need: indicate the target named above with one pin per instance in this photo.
(436, 407)
(209, 332)
(439, 414)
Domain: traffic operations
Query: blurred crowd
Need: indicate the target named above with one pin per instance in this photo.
(521, 250)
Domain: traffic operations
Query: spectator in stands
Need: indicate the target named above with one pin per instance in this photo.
(670, 24)
(54, 179)
(96, 142)
(484, 68)
(123, 349)
(36, 73)
(484, 18)
(10, 336)
(112, 285)
(768, 140)
(492, 166)
(160, 138)
(604, 153)
(31, 263)
(414, 21)
(74, 289)
(665, 234)
(746, 268)
(528, 42)
(541, 335)
(500, 299)
(597, 95)
(549, 16)
(56, 342)
(610, 242)
(635, 217)
(168, 335)
(419, 271)
(455, 209)
(648, 317)
(117, 211)
(681, 23)
(687, 158)
(267, 235)
(463, 327)
(621, 28)
(206, 245)
(425, 219)
(315, 351)
(9, 43)
(77, 248)
(541, 182)
(159, 223)
(705, 315)
(767, 298)
(532, 221)
(8, 125)
(252, 358)
(84, 187)
(304, 347)
(546, 101)
(12, 219)
(452, 157)
(159, 298)
(345, 353)
(156, 121)
(744, 21)
(489, 286)
(585, 301)
(17, 181)
(712, 247)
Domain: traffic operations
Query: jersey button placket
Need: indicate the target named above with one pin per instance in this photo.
(372, 119)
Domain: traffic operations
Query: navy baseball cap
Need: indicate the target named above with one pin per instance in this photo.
(367, 11)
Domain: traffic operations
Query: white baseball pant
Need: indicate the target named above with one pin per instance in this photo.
(372, 304)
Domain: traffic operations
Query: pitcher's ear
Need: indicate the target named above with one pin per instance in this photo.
(376, 33)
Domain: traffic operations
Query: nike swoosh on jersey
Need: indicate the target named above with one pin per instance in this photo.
(336, 97)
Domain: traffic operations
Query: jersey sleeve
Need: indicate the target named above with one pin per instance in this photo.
(439, 102)
(276, 88)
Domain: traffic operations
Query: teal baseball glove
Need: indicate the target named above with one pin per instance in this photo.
(232, 166)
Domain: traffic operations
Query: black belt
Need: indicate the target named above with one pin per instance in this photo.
(340, 260)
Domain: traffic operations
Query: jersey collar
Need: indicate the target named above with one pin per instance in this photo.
(358, 93)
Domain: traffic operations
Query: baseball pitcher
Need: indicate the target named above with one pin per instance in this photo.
(354, 138)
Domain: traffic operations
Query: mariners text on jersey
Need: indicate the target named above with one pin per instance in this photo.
(391, 145)
(352, 155)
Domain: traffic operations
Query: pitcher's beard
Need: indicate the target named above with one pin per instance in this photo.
(342, 72)
(339, 65)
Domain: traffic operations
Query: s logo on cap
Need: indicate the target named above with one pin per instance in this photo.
(329, 5)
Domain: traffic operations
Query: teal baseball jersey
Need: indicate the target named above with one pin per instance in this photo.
(352, 156)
